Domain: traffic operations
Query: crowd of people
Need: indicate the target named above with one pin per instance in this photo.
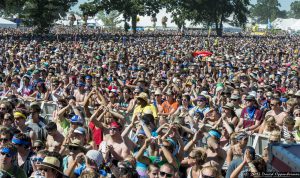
(146, 105)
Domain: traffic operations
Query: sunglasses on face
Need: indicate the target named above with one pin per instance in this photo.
(161, 173)
(4, 139)
(44, 169)
(205, 176)
(2, 109)
(6, 154)
(37, 147)
(114, 129)
(37, 159)
(73, 148)
(123, 170)
(297, 114)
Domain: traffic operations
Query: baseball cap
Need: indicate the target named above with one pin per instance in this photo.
(80, 130)
(76, 119)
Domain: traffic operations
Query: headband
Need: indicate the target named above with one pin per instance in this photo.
(7, 151)
(19, 141)
(214, 133)
(19, 114)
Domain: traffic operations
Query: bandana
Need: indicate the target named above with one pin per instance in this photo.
(251, 112)
(19, 141)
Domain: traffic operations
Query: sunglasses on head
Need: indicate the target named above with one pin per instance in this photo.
(165, 174)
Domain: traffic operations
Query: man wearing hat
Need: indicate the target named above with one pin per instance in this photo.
(114, 145)
(235, 100)
(7, 157)
(250, 117)
(51, 166)
(143, 106)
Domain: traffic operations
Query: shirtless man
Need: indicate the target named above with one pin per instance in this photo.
(114, 145)
(277, 111)
(216, 155)
(54, 138)
(80, 94)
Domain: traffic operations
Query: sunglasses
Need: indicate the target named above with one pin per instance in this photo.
(4, 139)
(6, 154)
(37, 147)
(114, 129)
(44, 169)
(205, 176)
(2, 109)
(201, 100)
(37, 159)
(73, 148)
(161, 173)
(297, 114)
(192, 157)
(123, 171)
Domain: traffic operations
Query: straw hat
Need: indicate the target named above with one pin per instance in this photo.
(51, 162)
(76, 143)
(229, 106)
(143, 96)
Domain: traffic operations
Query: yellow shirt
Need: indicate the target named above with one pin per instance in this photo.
(150, 108)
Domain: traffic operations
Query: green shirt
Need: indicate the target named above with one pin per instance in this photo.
(17, 172)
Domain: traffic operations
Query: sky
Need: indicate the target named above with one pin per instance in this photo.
(285, 4)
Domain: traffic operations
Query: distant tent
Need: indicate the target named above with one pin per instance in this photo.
(7, 24)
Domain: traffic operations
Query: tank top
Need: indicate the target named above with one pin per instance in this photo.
(190, 174)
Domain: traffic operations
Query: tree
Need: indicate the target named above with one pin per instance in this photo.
(43, 13)
(11, 7)
(211, 11)
(129, 8)
(266, 9)
(295, 9)
(111, 19)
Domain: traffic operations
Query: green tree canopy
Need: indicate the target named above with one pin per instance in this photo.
(210, 12)
(111, 19)
(267, 9)
(129, 8)
(295, 9)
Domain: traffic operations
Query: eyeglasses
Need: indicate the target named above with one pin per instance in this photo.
(297, 114)
(191, 157)
(4, 139)
(2, 109)
(37, 147)
(114, 129)
(37, 159)
(6, 154)
(123, 170)
(73, 148)
(205, 176)
(161, 173)
(44, 169)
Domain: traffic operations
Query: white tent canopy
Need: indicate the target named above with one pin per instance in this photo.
(286, 24)
(7, 24)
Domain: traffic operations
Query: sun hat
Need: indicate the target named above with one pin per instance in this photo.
(143, 96)
(229, 106)
(76, 143)
(51, 162)
(96, 156)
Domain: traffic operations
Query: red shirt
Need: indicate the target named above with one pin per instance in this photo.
(247, 122)
(97, 133)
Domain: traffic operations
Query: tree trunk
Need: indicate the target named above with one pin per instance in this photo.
(219, 29)
(133, 23)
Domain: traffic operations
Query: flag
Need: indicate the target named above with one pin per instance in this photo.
(209, 31)
(269, 24)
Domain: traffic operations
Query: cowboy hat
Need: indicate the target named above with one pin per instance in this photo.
(51, 162)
